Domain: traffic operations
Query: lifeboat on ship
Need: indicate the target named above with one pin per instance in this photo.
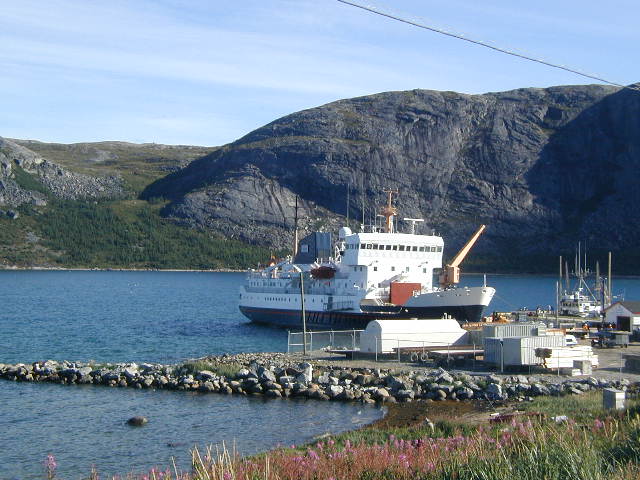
(323, 272)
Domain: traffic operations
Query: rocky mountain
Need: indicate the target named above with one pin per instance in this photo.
(543, 168)
(26, 177)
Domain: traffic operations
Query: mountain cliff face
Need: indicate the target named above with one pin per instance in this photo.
(543, 168)
(27, 178)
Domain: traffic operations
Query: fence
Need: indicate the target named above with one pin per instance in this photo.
(324, 340)
(498, 357)
(383, 348)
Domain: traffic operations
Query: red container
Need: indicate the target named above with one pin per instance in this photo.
(401, 292)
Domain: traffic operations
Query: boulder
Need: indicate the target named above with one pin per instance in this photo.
(137, 421)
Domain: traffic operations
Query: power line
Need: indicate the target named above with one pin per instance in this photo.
(484, 44)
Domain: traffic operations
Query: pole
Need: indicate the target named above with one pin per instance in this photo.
(304, 320)
(610, 282)
(295, 230)
(557, 302)
(376, 342)
(474, 355)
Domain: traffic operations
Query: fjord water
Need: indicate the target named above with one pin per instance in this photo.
(158, 317)
(143, 317)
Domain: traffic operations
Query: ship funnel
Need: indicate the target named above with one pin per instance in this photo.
(344, 232)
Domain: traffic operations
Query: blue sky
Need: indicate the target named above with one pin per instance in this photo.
(208, 72)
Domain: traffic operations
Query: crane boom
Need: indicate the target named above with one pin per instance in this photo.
(451, 274)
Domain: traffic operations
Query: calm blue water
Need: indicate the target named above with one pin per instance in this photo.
(158, 317)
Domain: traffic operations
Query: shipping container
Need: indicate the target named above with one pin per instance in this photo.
(492, 348)
(400, 292)
(502, 330)
(518, 350)
(521, 350)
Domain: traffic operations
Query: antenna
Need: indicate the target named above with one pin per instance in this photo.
(348, 199)
(389, 211)
(362, 207)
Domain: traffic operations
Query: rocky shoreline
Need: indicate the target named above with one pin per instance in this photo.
(276, 375)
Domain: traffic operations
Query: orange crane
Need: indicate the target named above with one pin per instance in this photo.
(451, 273)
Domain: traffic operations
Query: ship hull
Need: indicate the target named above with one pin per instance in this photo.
(358, 320)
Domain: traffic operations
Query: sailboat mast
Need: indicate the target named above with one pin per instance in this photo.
(579, 270)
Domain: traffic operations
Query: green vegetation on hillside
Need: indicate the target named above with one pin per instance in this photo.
(27, 180)
(122, 234)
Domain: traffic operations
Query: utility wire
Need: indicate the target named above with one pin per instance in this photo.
(485, 44)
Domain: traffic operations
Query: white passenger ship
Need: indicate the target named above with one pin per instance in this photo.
(375, 274)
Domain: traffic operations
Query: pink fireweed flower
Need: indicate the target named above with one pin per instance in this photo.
(226, 476)
(50, 466)
(313, 455)
(598, 424)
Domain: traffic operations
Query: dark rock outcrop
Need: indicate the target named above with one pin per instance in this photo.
(543, 167)
(26, 177)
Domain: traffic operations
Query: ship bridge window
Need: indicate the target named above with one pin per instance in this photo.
(438, 249)
(387, 247)
(414, 248)
(374, 246)
(433, 249)
(421, 249)
(362, 245)
(402, 248)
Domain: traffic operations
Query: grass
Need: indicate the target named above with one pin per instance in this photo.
(228, 370)
(580, 407)
(137, 164)
(27, 181)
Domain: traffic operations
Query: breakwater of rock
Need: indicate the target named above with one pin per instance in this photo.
(281, 375)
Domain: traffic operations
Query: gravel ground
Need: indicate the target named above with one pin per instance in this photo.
(611, 364)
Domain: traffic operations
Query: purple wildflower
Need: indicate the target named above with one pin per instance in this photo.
(50, 466)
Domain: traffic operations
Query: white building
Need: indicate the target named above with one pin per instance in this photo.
(623, 315)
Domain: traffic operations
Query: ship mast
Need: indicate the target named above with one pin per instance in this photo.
(389, 211)
(295, 230)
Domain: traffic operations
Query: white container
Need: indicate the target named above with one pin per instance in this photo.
(521, 350)
(383, 336)
(502, 330)
(492, 349)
